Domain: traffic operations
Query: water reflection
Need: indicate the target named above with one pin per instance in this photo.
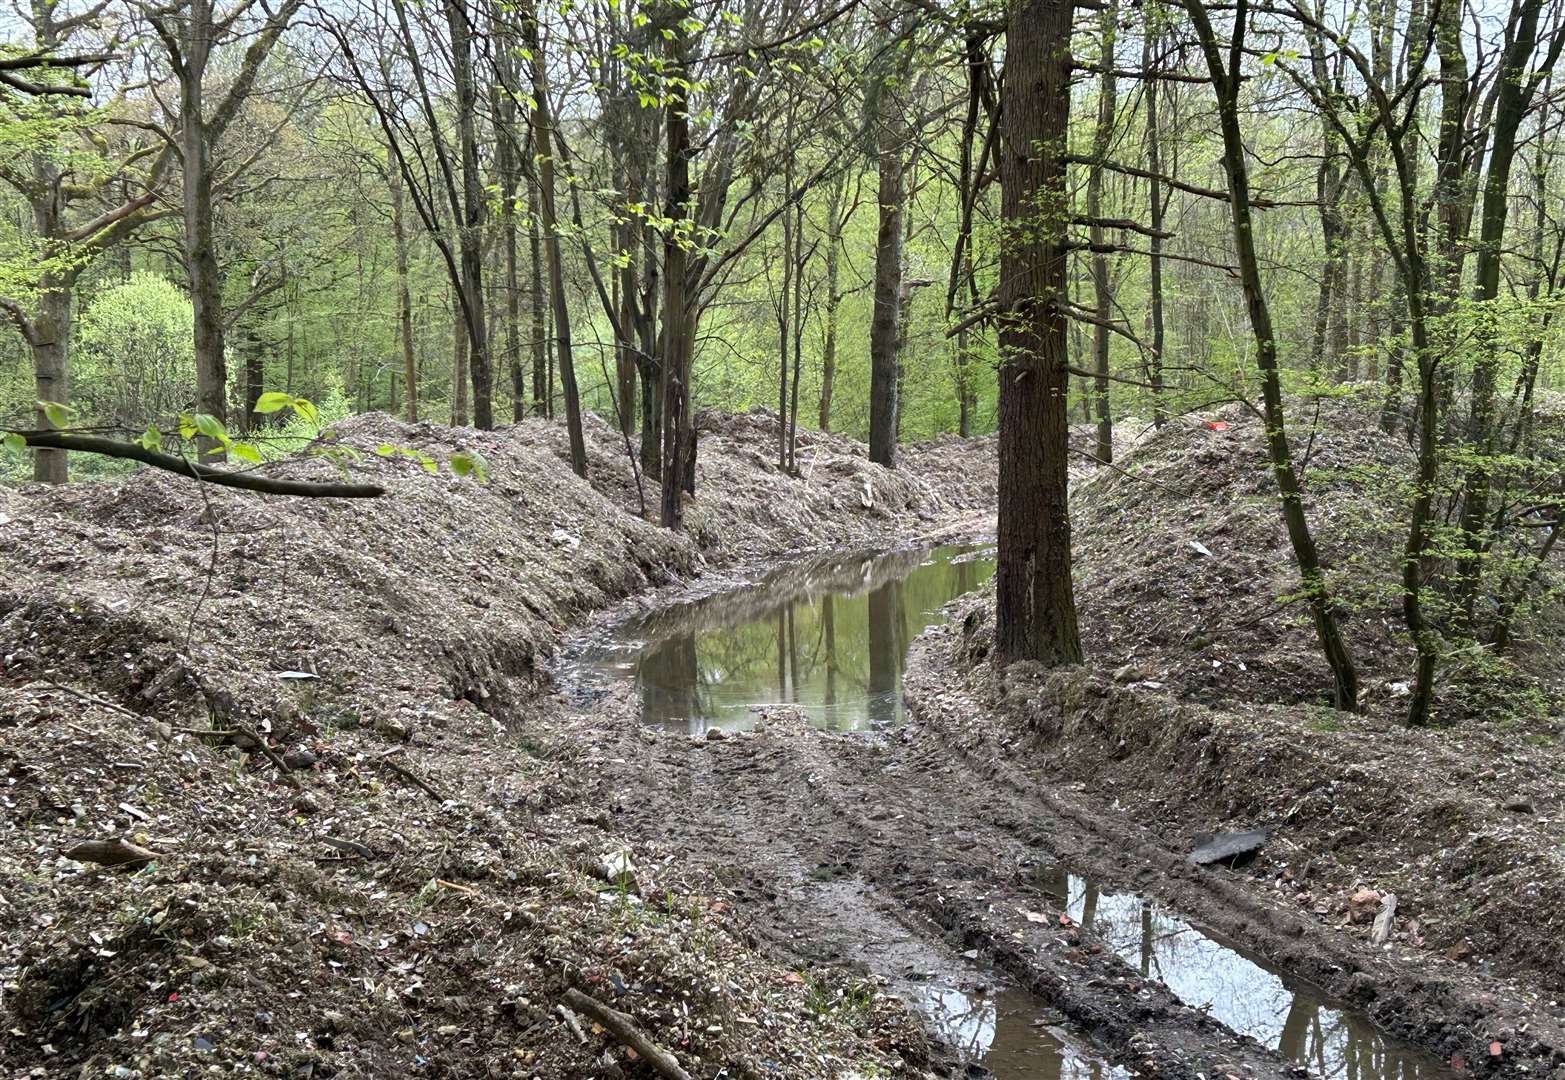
(1003, 1032)
(1242, 991)
(829, 635)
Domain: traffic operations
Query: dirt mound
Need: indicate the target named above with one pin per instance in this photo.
(746, 505)
(411, 894)
(1184, 571)
(1466, 834)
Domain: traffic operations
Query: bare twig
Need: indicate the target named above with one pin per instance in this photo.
(270, 754)
(409, 775)
(623, 1028)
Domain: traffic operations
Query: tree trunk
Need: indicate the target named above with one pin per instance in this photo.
(542, 385)
(835, 194)
(676, 300)
(884, 327)
(51, 335)
(1157, 199)
(1513, 100)
(1035, 606)
(543, 135)
(460, 339)
(404, 297)
(206, 277)
(799, 256)
(1344, 677)
(1102, 295)
(470, 230)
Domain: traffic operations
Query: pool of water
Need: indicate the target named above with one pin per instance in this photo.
(1008, 1033)
(1243, 991)
(828, 635)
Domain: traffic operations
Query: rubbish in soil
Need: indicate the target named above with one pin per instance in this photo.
(828, 635)
(1229, 847)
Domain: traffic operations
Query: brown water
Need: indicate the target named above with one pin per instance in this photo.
(829, 635)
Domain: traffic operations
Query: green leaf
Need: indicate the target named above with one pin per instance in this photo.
(273, 402)
(187, 426)
(470, 463)
(152, 438)
(59, 416)
(306, 409)
(211, 427)
(247, 452)
(14, 442)
(385, 449)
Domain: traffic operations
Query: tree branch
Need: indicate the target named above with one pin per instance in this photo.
(246, 481)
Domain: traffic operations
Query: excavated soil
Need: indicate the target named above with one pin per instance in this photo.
(464, 846)
(422, 885)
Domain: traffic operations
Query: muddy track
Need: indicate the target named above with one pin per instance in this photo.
(1448, 1010)
(890, 857)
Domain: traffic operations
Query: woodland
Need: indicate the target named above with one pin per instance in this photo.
(537, 310)
(223, 217)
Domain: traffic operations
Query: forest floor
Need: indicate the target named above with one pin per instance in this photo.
(465, 846)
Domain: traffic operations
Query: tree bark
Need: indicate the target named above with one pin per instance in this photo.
(1102, 295)
(404, 297)
(460, 339)
(470, 229)
(834, 225)
(206, 276)
(542, 384)
(1157, 199)
(1035, 607)
(677, 345)
(1226, 83)
(884, 328)
(543, 151)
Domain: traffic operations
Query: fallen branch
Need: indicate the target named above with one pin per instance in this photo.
(247, 481)
(271, 755)
(571, 1022)
(92, 699)
(623, 1028)
(116, 852)
(410, 776)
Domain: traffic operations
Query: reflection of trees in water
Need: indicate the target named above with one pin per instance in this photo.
(1237, 989)
(885, 652)
(998, 1030)
(830, 634)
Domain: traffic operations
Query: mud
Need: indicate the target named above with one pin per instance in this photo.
(939, 871)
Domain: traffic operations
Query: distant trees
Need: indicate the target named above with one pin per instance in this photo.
(644, 209)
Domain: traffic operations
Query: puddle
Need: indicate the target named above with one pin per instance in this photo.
(1243, 991)
(829, 635)
(1004, 1033)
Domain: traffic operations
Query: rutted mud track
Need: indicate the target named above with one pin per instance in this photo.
(852, 850)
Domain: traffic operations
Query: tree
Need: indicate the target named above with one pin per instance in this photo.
(191, 32)
(1035, 604)
(1226, 80)
(890, 132)
(85, 194)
